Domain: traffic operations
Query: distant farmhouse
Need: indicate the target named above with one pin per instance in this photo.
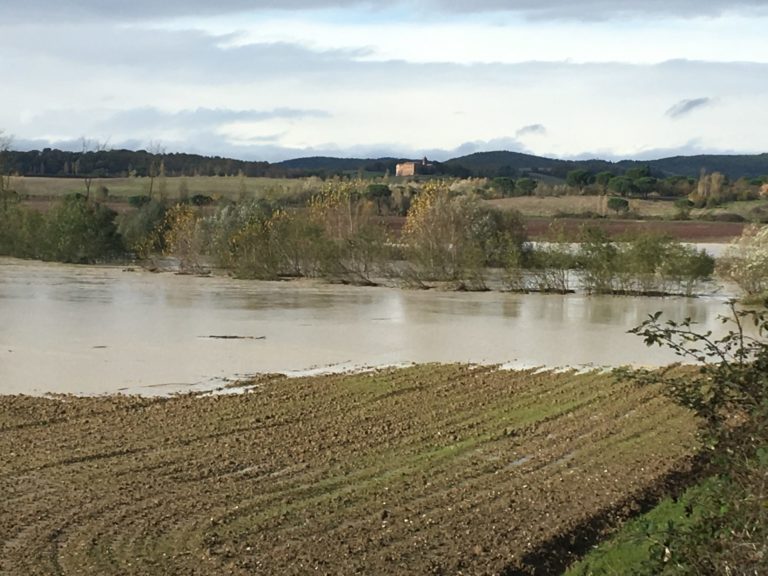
(414, 168)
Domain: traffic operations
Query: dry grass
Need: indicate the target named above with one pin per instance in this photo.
(214, 186)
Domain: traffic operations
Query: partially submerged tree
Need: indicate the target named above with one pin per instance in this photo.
(356, 243)
(80, 231)
(5, 178)
(156, 166)
(745, 262)
(642, 264)
(89, 170)
(454, 238)
(183, 237)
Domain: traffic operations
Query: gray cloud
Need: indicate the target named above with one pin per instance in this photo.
(685, 107)
(105, 121)
(531, 129)
(602, 9)
(137, 10)
(170, 55)
(145, 10)
(151, 56)
(195, 130)
(211, 143)
(139, 69)
(202, 118)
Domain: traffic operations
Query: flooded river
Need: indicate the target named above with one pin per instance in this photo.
(91, 330)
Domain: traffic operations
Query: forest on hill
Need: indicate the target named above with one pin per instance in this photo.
(51, 162)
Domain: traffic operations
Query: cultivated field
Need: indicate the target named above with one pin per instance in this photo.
(426, 470)
(684, 230)
(550, 206)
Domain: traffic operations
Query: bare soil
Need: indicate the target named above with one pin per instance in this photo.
(684, 230)
(425, 470)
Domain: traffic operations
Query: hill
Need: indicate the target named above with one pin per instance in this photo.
(331, 164)
(124, 163)
(502, 163)
(734, 166)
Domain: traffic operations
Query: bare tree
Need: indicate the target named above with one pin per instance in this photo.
(156, 163)
(5, 179)
(87, 146)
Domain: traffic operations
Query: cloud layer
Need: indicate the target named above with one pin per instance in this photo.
(147, 10)
(455, 81)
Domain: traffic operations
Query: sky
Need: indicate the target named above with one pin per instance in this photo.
(277, 79)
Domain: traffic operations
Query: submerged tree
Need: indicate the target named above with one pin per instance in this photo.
(182, 237)
(5, 178)
(745, 262)
(356, 244)
(454, 238)
(80, 231)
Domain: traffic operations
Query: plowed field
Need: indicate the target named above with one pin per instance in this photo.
(425, 470)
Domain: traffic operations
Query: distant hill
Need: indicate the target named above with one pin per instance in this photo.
(734, 166)
(503, 163)
(500, 162)
(113, 163)
(494, 161)
(331, 164)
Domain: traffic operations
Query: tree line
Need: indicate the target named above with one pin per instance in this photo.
(449, 239)
(95, 162)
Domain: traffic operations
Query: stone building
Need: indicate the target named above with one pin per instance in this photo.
(414, 168)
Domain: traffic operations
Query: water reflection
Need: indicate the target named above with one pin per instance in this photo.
(96, 330)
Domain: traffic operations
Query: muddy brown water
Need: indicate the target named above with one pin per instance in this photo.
(95, 330)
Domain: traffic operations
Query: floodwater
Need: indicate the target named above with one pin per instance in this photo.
(94, 330)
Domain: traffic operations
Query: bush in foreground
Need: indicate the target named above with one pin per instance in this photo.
(722, 525)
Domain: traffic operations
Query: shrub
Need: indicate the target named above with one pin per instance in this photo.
(454, 238)
(644, 264)
(618, 204)
(597, 259)
(201, 200)
(745, 262)
(726, 528)
(80, 231)
(21, 232)
(550, 268)
(182, 237)
(138, 201)
(759, 214)
(354, 247)
(141, 230)
(722, 217)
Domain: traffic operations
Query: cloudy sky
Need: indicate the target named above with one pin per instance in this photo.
(276, 79)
